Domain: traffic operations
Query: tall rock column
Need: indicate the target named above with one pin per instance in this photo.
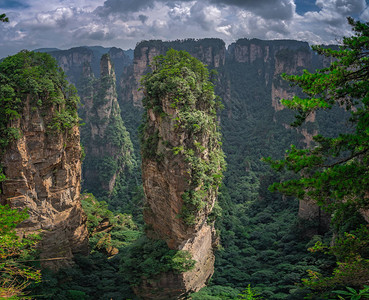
(182, 164)
(41, 154)
(107, 143)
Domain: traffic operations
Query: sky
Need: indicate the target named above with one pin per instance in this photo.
(65, 24)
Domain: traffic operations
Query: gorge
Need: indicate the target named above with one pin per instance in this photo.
(262, 242)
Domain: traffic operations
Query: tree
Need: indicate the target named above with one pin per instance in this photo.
(15, 276)
(335, 173)
(4, 18)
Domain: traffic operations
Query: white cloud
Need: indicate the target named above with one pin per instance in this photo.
(224, 29)
(121, 23)
(208, 17)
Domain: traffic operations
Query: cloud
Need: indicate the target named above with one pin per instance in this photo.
(143, 18)
(342, 7)
(123, 23)
(205, 15)
(57, 18)
(94, 32)
(123, 7)
(269, 9)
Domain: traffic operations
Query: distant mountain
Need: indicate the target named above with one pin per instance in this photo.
(72, 60)
(47, 50)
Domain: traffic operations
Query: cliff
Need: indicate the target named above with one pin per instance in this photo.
(107, 143)
(72, 61)
(41, 156)
(273, 58)
(211, 52)
(181, 169)
(267, 61)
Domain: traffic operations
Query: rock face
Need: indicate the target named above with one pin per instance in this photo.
(211, 52)
(43, 171)
(180, 196)
(310, 211)
(269, 60)
(273, 58)
(73, 60)
(107, 144)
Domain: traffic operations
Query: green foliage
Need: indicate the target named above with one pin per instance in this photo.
(15, 275)
(34, 75)
(110, 156)
(184, 81)
(227, 293)
(4, 18)
(93, 277)
(148, 258)
(353, 294)
(107, 230)
(216, 292)
(335, 172)
(351, 251)
(96, 276)
(249, 294)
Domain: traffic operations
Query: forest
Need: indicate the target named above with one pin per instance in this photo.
(292, 209)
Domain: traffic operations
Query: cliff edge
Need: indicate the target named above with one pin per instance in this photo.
(41, 154)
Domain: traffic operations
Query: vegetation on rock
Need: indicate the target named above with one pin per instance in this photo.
(33, 76)
(184, 81)
(110, 167)
(147, 258)
(98, 275)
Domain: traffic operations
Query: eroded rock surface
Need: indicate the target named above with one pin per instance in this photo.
(211, 52)
(43, 171)
(107, 143)
(180, 196)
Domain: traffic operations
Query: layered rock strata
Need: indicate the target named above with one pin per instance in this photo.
(181, 165)
(43, 172)
(211, 52)
(107, 143)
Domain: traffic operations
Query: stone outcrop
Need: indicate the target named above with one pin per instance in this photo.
(107, 143)
(173, 183)
(176, 286)
(73, 60)
(43, 171)
(273, 58)
(211, 52)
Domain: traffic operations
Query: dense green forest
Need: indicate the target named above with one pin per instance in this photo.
(263, 252)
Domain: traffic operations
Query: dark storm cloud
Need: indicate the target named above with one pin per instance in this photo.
(143, 18)
(269, 9)
(123, 6)
(13, 4)
(122, 23)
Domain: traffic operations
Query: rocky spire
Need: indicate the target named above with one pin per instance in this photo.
(182, 167)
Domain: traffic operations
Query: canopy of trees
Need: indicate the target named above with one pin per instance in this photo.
(334, 172)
